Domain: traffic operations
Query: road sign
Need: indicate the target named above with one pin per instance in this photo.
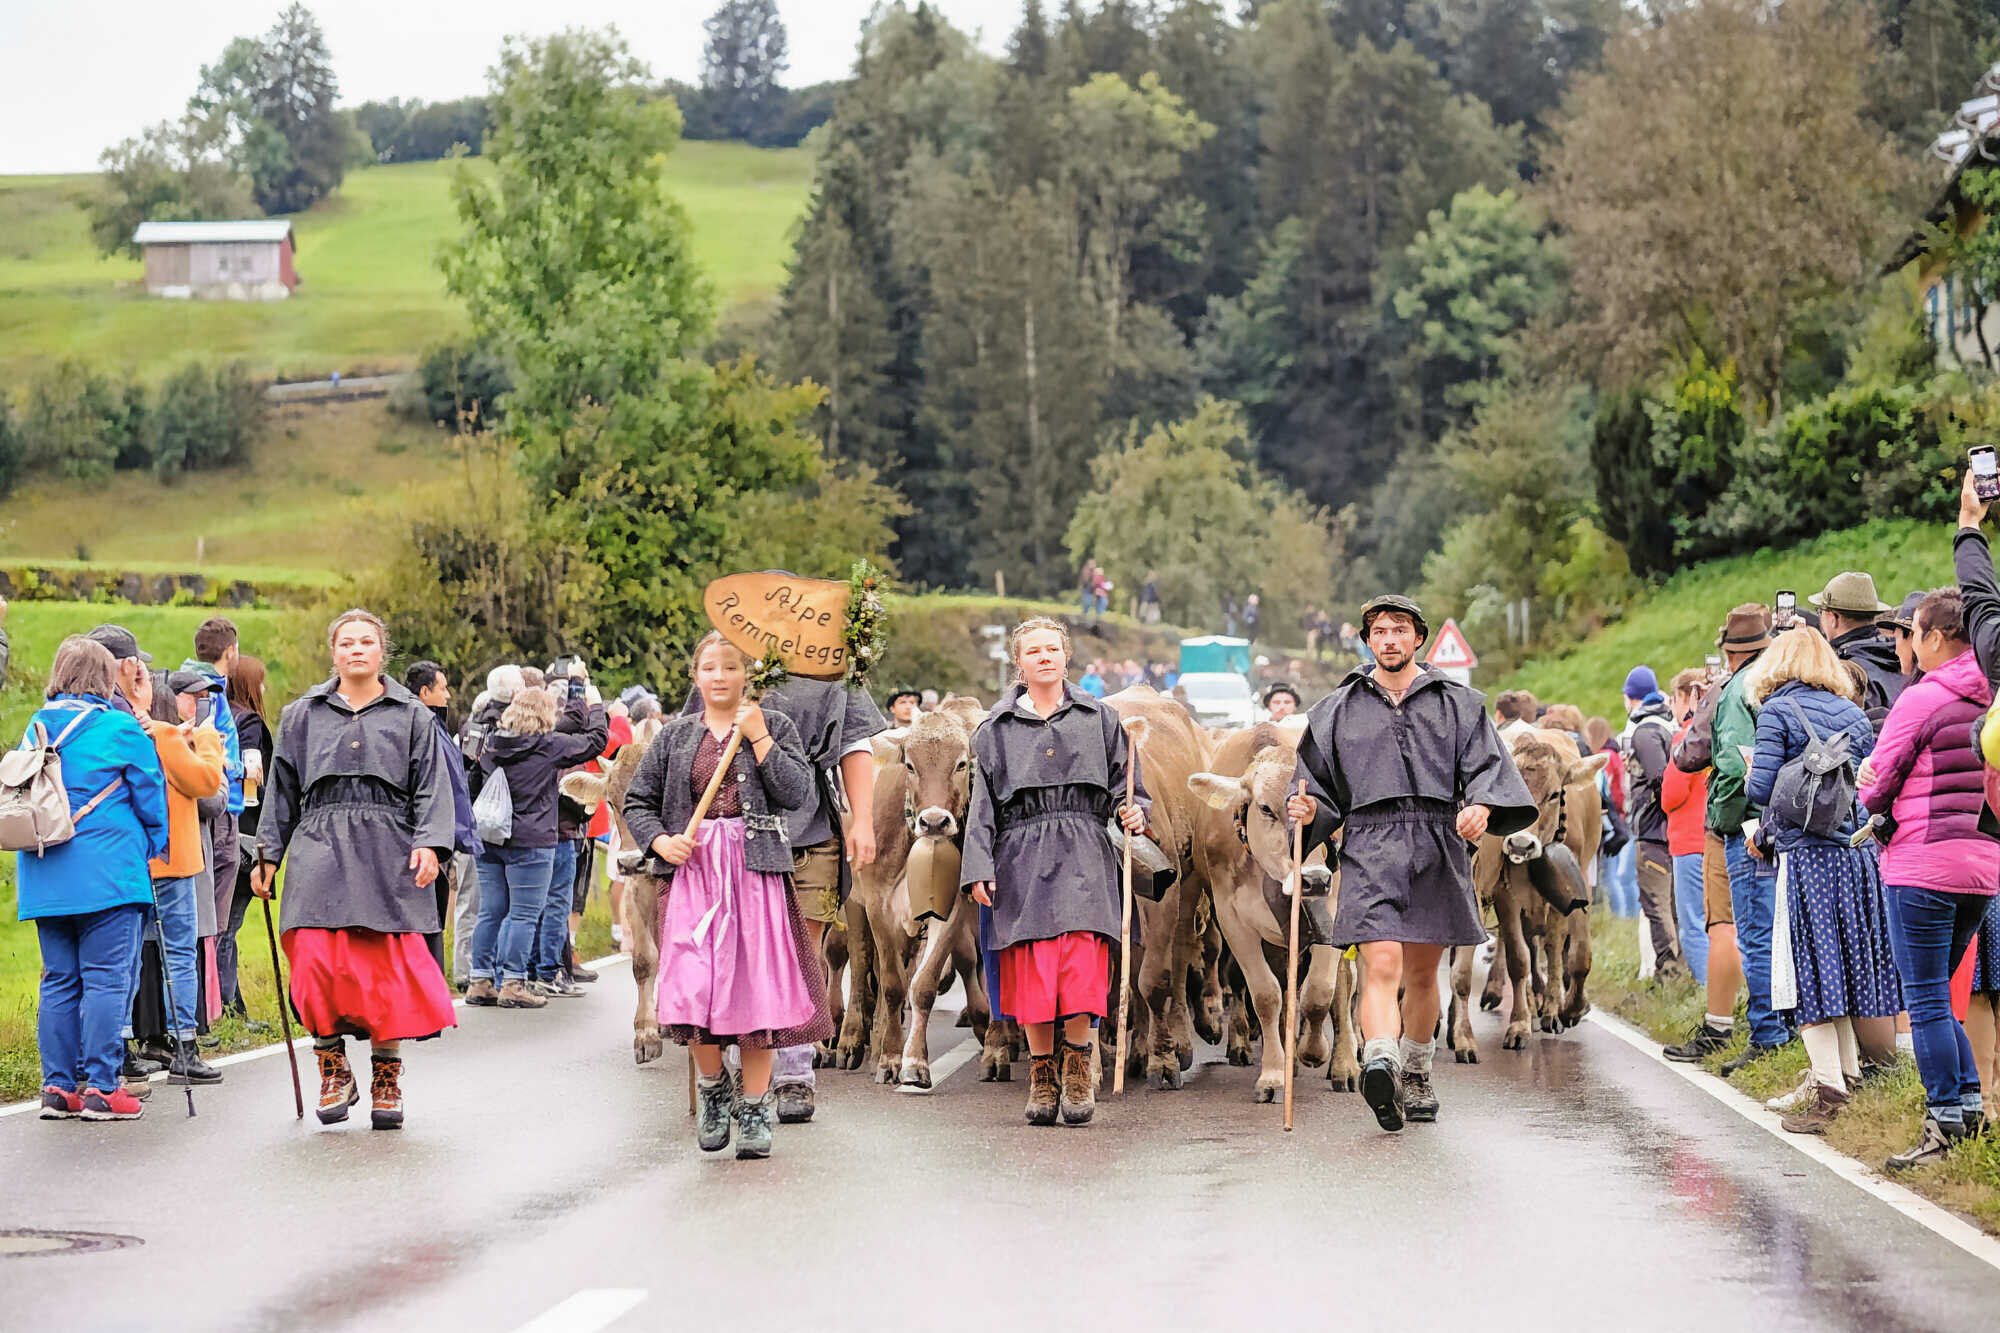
(1450, 651)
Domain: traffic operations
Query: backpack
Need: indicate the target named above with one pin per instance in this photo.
(493, 812)
(1815, 790)
(472, 741)
(34, 804)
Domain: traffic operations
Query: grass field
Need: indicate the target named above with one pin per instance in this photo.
(371, 295)
(1674, 626)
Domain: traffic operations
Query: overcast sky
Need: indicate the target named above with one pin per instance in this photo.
(77, 77)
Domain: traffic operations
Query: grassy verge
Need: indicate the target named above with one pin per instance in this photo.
(1883, 1119)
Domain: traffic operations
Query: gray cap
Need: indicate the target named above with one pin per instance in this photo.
(189, 681)
(119, 641)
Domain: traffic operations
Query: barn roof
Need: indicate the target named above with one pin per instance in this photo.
(196, 233)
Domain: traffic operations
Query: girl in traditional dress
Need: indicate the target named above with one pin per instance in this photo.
(355, 796)
(733, 948)
(1049, 770)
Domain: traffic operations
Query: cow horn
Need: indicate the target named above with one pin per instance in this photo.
(1221, 793)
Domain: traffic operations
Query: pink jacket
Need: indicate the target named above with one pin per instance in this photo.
(1927, 775)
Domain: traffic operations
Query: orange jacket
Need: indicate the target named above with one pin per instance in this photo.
(193, 765)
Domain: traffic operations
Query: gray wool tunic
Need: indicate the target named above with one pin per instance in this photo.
(1042, 789)
(661, 798)
(349, 796)
(1396, 776)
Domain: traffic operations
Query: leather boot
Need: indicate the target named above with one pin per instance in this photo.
(1043, 1095)
(337, 1090)
(1079, 1092)
(189, 1067)
(386, 1092)
(138, 1066)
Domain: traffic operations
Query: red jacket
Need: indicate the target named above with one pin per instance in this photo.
(1684, 796)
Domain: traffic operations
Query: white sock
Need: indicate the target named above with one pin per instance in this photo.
(1720, 1022)
(1823, 1049)
(1850, 1049)
(1381, 1048)
(1416, 1055)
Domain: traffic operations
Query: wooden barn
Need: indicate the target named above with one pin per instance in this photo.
(219, 261)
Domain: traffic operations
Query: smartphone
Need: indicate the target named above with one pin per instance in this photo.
(1787, 608)
(1715, 671)
(1985, 472)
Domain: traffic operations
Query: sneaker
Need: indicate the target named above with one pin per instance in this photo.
(1382, 1088)
(1749, 1055)
(1931, 1147)
(1798, 1099)
(482, 993)
(520, 995)
(581, 975)
(754, 1117)
(1420, 1099)
(560, 987)
(796, 1103)
(715, 1101)
(117, 1104)
(1827, 1104)
(189, 1067)
(1701, 1043)
(61, 1103)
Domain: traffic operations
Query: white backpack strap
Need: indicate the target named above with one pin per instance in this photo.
(97, 800)
(75, 722)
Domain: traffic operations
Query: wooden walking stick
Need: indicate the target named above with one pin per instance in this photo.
(1135, 732)
(284, 1009)
(1292, 964)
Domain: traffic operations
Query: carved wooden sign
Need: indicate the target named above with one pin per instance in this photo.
(802, 622)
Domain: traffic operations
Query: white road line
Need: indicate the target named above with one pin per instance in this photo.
(1938, 1221)
(953, 1060)
(298, 1043)
(587, 1311)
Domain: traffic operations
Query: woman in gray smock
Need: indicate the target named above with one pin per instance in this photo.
(356, 800)
(1048, 772)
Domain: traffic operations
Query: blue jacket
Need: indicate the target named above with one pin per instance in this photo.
(232, 745)
(1781, 737)
(104, 865)
(465, 829)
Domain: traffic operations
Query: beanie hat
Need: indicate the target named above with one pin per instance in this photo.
(1641, 682)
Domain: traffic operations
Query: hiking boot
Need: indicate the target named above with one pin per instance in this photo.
(1798, 1099)
(1078, 1099)
(796, 1103)
(715, 1100)
(138, 1066)
(1749, 1055)
(519, 995)
(1701, 1043)
(158, 1053)
(754, 1117)
(1827, 1103)
(1043, 1096)
(1382, 1089)
(61, 1103)
(1931, 1147)
(337, 1090)
(385, 1092)
(482, 993)
(188, 1067)
(117, 1104)
(138, 1087)
(580, 974)
(1420, 1100)
(559, 987)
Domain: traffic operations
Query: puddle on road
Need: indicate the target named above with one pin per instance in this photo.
(30, 1243)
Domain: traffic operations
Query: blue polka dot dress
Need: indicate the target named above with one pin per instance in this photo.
(1840, 934)
(1986, 950)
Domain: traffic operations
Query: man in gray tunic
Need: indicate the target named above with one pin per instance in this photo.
(1407, 761)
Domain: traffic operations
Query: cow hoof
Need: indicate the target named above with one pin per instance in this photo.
(1346, 1080)
(1516, 1038)
(1574, 1017)
(645, 1050)
(823, 1057)
(849, 1057)
(916, 1077)
(1208, 1024)
(1466, 1055)
(1268, 1086)
(1489, 1001)
(886, 1072)
(1185, 1058)
(1239, 1057)
(994, 1069)
(964, 1019)
(1166, 1079)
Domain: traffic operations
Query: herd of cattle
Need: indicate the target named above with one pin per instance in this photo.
(1209, 954)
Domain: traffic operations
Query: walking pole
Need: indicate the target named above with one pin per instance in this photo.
(1292, 964)
(284, 1008)
(1135, 730)
(167, 984)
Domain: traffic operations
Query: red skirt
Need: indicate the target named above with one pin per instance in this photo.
(362, 983)
(1045, 980)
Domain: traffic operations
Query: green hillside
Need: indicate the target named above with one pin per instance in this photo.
(371, 297)
(1674, 626)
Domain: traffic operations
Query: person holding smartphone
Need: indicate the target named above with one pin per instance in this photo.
(1972, 564)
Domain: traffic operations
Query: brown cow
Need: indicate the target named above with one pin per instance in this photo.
(880, 936)
(1544, 952)
(1245, 848)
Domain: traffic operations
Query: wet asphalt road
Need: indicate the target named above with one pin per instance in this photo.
(1573, 1184)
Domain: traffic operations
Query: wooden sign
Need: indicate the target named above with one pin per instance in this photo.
(801, 622)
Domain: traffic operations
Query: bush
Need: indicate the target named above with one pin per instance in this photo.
(454, 379)
(204, 420)
(81, 424)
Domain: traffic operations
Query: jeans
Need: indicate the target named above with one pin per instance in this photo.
(181, 922)
(513, 890)
(1753, 893)
(88, 962)
(1929, 932)
(552, 931)
(1621, 882)
(1691, 910)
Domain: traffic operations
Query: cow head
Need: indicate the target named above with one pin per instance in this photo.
(1256, 802)
(937, 774)
(1549, 764)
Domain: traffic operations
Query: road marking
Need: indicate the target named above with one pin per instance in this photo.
(298, 1044)
(1940, 1222)
(587, 1311)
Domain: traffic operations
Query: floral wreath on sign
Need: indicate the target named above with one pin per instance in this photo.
(865, 634)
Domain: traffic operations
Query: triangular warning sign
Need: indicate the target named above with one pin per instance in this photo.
(1450, 649)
